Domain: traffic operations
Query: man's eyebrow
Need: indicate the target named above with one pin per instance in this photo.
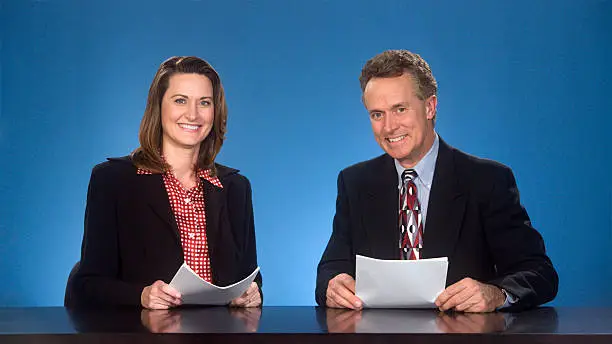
(398, 105)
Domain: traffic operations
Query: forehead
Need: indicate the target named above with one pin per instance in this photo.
(389, 90)
(189, 83)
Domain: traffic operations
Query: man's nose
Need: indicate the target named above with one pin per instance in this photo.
(390, 123)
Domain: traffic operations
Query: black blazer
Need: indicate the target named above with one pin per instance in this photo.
(474, 218)
(131, 238)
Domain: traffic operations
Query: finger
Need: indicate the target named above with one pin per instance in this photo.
(341, 300)
(341, 288)
(254, 289)
(158, 294)
(329, 302)
(345, 291)
(335, 301)
(467, 304)
(346, 281)
(458, 299)
(255, 301)
(257, 296)
(170, 298)
(168, 289)
(479, 307)
(248, 293)
(450, 291)
(239, 302)
(156, 291)
(157, 305)
(251, 290)
(474, 304)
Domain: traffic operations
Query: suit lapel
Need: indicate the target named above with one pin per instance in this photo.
(380, 211)
(445, 209)
(218, 249)
(154, 194)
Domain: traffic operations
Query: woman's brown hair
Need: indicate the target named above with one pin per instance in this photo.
(148, 155)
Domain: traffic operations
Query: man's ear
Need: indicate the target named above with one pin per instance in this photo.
(431, 105)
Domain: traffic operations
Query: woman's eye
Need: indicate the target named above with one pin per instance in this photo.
(180, 101)
(205, 103)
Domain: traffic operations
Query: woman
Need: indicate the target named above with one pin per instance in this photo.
(169, 202)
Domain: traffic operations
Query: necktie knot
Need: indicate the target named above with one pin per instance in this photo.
(408, 175)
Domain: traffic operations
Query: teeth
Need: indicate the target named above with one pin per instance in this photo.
(396, 139)
(190, 127)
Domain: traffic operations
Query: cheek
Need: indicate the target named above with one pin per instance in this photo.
(165, 121)
(208, 115)
(167, 115)
(377, 129)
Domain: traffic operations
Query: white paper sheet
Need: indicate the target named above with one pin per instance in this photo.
(400, 283)
(196, 291)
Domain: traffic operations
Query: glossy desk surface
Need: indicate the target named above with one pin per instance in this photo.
(304, 325)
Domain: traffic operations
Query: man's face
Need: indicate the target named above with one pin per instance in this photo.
(402, 123)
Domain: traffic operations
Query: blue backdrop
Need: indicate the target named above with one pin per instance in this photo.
(527, 83)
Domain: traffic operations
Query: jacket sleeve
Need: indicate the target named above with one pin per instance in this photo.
(339, 256)
(97, 283)
(524, 269)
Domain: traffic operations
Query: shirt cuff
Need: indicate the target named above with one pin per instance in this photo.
(510, 300)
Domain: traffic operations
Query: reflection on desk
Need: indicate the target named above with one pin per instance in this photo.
(432, 321)
(423, 321)
(303, 325)
(184, 320)
(197, 320)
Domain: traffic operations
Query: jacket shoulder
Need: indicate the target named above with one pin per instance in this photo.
(114, 167)
(231, 176)
(477, 166)
(368, 169)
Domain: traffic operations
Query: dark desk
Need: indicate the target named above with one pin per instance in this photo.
(303, 325)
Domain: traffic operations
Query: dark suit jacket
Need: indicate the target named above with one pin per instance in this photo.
(474, 218)
(131, 238)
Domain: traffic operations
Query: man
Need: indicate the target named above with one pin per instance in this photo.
(449, 204)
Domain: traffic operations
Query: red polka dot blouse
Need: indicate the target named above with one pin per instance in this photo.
(188, 208)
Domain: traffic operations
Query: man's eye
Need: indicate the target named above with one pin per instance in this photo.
(376, 115)
(401, 110)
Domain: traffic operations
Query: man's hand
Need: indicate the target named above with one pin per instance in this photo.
(341, 293)
(250, 298)
(469, 295)
(160, 295)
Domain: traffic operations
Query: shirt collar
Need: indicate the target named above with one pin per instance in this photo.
(202, 174)
(424, 168)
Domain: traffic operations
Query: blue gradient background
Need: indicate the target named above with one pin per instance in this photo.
(527, 83)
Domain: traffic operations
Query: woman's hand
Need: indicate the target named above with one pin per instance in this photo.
(160, 295)
(250, 298)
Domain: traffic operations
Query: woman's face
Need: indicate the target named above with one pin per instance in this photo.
(187, 111)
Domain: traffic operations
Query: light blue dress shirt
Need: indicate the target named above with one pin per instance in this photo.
(425, 171)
